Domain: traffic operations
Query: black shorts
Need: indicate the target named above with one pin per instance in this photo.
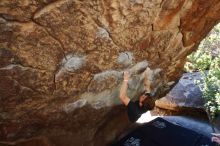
(135, 111)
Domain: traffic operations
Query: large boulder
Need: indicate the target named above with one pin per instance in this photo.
(61, 62)
(185, 94)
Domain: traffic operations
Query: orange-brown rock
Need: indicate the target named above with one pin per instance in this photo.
(61, 62)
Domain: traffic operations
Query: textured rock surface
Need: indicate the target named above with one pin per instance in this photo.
(61, 61)
(185, 94)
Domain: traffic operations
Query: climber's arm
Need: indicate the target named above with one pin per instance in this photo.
(123, 91)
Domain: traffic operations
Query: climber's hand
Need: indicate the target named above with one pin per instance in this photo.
(126, 76)
(216, 139)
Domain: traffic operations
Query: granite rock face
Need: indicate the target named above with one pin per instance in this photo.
(185, 94)
(61, 62)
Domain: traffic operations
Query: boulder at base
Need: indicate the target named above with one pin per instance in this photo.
(185, 94)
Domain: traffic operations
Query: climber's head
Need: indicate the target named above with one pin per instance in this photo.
(146, 101)
(143, 98)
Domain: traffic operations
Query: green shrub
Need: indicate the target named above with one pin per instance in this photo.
(207, 60)
(210, 87)
(198, 61)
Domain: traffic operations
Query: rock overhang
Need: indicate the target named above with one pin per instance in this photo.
(62, 61)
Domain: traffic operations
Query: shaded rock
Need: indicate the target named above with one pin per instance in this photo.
(152, 80)
(198, 125)
(7, 57)
(125, 59)
(36, 141)
(217, 122)
(55, 53)
(102, 33)
(138, 68)
(74, 63)
(111, 78)
(70, 63)
(105, 80)
(71, 83)
(21, 81)
(70, 107)
(185, 94)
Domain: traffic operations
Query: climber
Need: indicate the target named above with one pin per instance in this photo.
(134, 109)
(216, 138)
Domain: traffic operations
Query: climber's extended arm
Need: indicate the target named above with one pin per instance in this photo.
(123, 91)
